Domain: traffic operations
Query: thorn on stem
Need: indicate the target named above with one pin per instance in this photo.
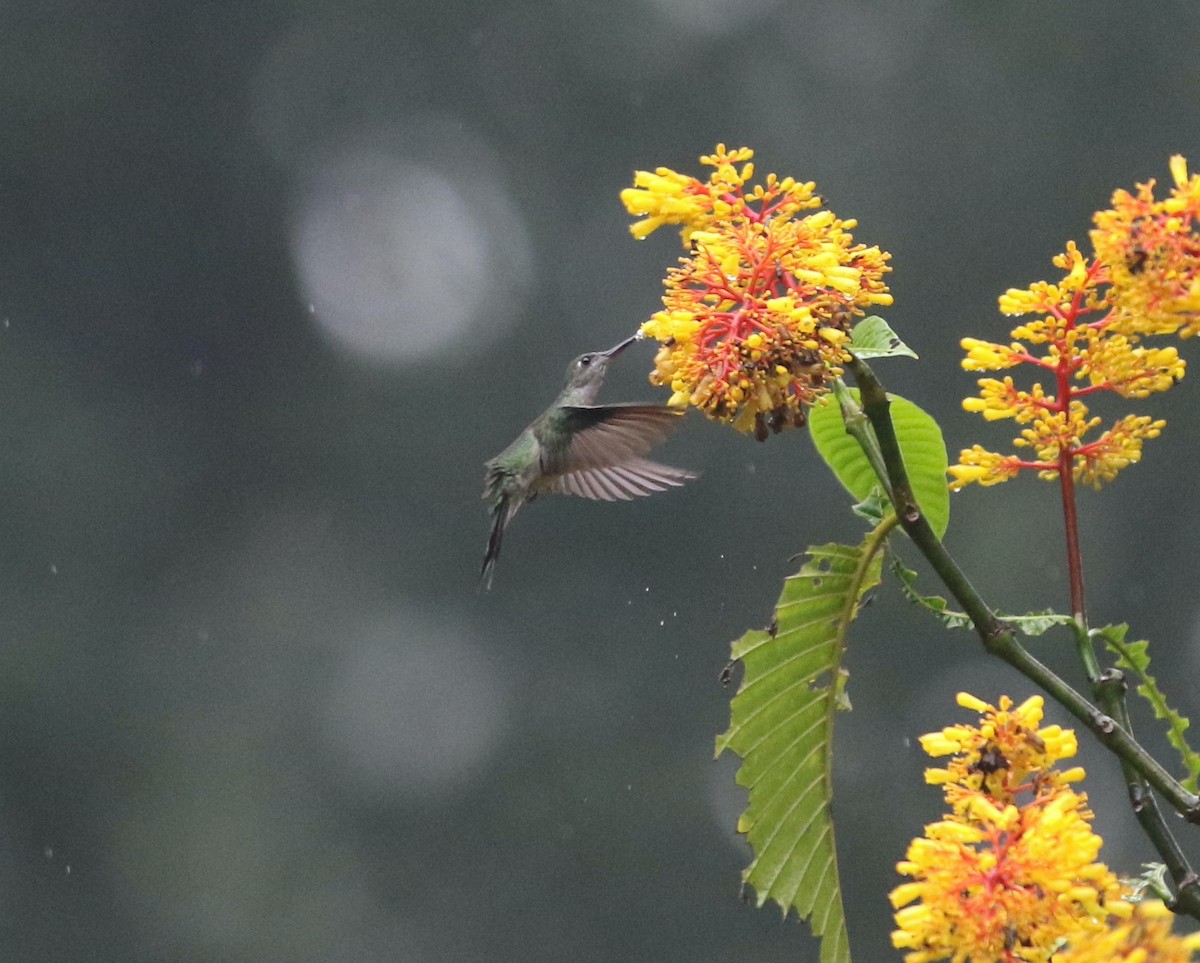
(1137, 797)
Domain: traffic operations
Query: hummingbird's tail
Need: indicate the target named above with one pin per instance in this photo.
(492, 553)
(503, 511)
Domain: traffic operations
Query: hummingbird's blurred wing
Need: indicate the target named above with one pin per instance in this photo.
(629, 480)
(603, 435)
(603, 459)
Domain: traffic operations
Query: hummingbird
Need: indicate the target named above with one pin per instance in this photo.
(576, 447)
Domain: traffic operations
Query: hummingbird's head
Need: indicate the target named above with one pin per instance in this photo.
(588, 370)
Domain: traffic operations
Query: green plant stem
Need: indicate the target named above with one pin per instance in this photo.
(999, 639)
(1110, 693)
(1109, 690)
(859, 428)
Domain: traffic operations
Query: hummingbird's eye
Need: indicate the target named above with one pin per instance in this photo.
(585, 360)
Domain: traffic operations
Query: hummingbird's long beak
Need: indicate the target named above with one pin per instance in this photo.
(617, 349)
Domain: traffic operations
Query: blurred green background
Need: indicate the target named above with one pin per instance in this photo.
(277, 276)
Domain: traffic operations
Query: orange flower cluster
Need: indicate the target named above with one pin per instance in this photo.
(755, 319)
(1088, 335)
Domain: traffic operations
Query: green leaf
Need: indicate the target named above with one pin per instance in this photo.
(1135, 657)
(931, 603)
(875, 507)
(781, 724)
(873, 338)
(921, 444)
(1151, 880)
(1035, 623)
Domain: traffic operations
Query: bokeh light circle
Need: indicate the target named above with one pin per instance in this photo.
(414, 709)
(392, 258)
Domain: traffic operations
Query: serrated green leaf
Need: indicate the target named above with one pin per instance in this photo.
(1135, 657)
(1035, 623)
(932, 603)
(874, 338)
(921, 445)
(781, 724)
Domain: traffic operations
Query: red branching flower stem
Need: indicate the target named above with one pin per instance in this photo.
(1066, 472)
(1074, 561)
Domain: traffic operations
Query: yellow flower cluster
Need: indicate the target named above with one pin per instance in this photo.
(1152, 249)
(1144, 936)
(1011, 871)
(756, 317)
(1086, 337)
(1005, 755)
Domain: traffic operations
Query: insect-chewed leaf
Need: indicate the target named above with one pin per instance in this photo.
(781, 724)
(874, 338)
(1135, 657)
(921, 444)
(1032, 623)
